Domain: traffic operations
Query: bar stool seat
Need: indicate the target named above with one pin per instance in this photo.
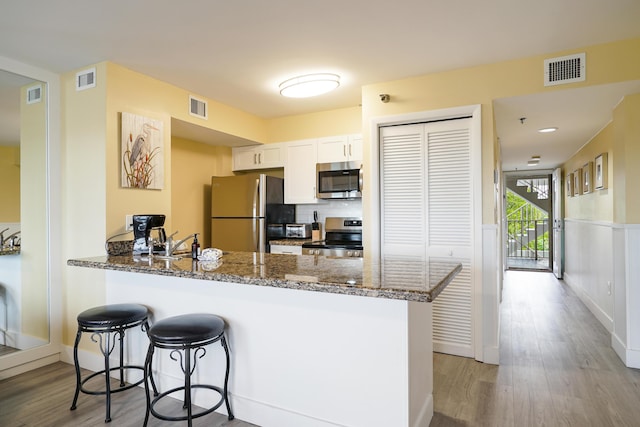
(104, 323)
(185, 333)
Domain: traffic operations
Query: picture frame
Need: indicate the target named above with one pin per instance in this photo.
(142, 152)
(587, 178)
(569, 183)
(577, 182)
(601, 172)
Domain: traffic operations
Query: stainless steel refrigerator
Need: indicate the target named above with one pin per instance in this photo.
(243, 207)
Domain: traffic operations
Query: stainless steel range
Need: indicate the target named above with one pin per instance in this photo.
(343, 239)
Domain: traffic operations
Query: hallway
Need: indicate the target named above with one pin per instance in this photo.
(557, 367)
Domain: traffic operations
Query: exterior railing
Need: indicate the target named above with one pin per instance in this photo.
(528, 239)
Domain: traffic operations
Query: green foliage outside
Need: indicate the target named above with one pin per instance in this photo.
(521, 217)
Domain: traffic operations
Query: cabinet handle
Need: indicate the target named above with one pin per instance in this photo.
(255, 157)
(259, 158)
(349, 149)
(344, 150)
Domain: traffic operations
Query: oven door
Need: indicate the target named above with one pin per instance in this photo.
(341, 180)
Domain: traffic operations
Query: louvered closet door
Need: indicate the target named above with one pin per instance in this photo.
(426, 203)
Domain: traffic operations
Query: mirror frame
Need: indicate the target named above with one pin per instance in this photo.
(25, 360)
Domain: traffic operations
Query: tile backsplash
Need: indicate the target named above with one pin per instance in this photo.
(353, 208)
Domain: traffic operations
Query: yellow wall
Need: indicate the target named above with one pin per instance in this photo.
(33, 222)
(597, 205)
(193, 164)
(315, 125)
(608, 63)
(84, 133)
(626, 163)
(10, 183)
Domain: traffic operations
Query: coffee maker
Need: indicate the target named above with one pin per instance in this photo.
(143, 226)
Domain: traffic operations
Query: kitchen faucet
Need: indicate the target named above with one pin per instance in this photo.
(2, 237)
(170, 248)
(12, 239)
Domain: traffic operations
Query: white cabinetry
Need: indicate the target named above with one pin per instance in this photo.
(286, 249)
(258, 157)
(343, 148)
(300, 172)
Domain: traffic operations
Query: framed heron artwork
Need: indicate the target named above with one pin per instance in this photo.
(142, 152)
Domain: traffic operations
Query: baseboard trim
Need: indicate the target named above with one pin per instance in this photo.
(630, 358)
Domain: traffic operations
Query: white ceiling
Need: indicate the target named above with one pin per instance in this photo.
(237, 52)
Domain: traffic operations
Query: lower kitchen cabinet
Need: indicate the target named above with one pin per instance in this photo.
(286, 249)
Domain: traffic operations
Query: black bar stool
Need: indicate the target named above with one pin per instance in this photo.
(181, 334)
(104, 323)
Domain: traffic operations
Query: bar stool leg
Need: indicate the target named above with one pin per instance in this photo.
(107, 377)
(223, 341)
(77, 366)
(145, 328)
(121, 336)
(147, 374)
(187, 384)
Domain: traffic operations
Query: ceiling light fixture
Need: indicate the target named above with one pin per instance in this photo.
(309, 85)
(547, 130)
(533, 162)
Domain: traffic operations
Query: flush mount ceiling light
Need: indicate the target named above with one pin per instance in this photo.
(547, 130)
(309, 85)
(534, 161)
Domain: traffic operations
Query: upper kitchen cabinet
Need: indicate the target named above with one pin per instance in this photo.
(342, 148)
(300, 172)
(253, 157)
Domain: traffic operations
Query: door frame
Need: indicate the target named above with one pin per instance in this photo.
(484, 283)
(524, 174)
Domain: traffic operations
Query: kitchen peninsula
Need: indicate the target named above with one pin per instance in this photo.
(315, 341)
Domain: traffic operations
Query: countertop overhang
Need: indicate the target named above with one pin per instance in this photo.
(400, 280)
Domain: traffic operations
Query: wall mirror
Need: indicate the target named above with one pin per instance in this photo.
(25, 261)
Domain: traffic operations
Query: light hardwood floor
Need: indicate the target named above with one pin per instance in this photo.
(557, 369)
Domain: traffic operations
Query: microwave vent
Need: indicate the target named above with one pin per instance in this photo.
(86, 79)
(197, 107)
(565, 69)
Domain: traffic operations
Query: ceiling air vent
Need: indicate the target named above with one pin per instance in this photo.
(34, 94)
(86, 79)
(197, 107)
(565, 69)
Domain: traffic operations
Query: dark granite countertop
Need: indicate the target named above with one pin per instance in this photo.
(14, 251)
(401, 280)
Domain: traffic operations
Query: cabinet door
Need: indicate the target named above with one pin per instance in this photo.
(286, 249)
(354, 148)
(244, 158)
(271, 156)
(300, 172)
(258, 157)
(333, 149)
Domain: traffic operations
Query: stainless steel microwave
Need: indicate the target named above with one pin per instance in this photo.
(339, 180)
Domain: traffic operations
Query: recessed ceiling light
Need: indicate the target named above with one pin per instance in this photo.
(547, 130)
(309, 85)
(533, 162)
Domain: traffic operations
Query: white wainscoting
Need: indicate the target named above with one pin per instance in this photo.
(601, 266)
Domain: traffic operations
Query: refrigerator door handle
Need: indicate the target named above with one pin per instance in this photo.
(262, 235)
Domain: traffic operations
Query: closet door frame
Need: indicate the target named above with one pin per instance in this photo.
(483, 321)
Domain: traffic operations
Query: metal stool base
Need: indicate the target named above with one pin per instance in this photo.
(160, 416)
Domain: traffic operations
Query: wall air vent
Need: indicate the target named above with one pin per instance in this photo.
(565, 69)
(86, 79)
(197, 107)
(34, 94)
